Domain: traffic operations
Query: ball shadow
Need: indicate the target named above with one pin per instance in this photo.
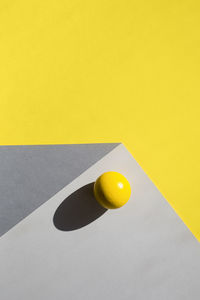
(78, 210)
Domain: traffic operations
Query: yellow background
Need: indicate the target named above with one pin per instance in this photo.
(108, 71)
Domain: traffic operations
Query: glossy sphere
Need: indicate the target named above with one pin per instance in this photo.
(112, 190)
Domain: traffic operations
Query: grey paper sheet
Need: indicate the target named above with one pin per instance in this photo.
(30, 175)
(141, 251)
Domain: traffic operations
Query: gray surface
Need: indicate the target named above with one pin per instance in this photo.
(141, 251)
(30, 175)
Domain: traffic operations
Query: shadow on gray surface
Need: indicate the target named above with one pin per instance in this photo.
(78, 210)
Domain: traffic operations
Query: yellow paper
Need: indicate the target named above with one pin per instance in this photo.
(108, 71)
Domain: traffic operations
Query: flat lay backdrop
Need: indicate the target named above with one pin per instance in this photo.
(68, 247)
(108, 71)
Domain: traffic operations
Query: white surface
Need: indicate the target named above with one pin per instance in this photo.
(141, 251)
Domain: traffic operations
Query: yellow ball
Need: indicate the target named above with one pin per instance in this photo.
(112, 190)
